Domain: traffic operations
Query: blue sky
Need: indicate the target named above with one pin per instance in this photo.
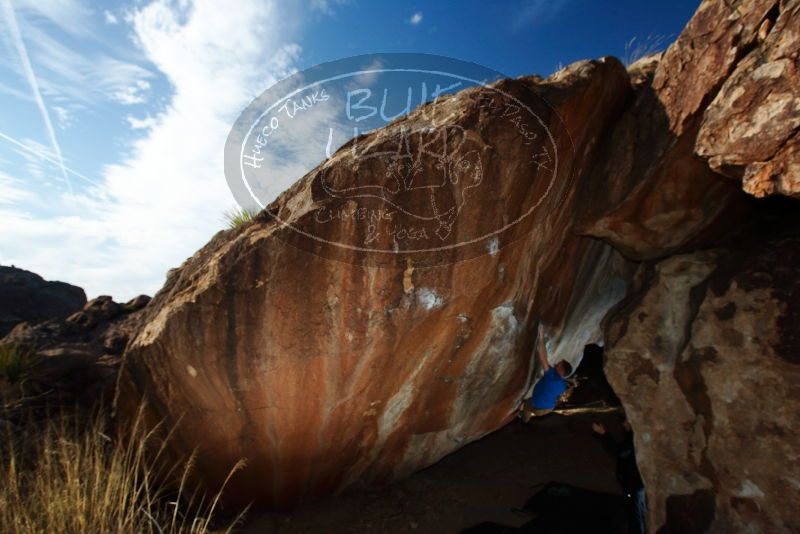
(113, 115)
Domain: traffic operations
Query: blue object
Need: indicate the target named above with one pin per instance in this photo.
(548, 390)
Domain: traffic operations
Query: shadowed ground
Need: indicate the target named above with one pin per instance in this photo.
(484, 481)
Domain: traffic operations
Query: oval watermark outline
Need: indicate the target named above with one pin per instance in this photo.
(351, 74)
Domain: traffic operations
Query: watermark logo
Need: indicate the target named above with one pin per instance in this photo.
(374, 158)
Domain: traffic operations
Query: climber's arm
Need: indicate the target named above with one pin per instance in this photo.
(542, 348)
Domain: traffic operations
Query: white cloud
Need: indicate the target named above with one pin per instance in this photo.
(85, 78)
(72, 16)
(16, 92)
(64, 68)
(416, 18)
(136, 93)
(172, 189)
(63, 116)
(165, 200)
(535, 12)
(146, 123)
(110, 18)
(81, 250)
(12, 190)
(39, 163)
(326, 6)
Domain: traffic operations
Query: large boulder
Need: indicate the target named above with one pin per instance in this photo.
(26, 296)
(327, 372)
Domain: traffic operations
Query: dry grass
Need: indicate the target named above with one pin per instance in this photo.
(64, 475)
(637, 49)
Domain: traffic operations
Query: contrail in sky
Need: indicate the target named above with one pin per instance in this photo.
(45, 157)
(16, 37)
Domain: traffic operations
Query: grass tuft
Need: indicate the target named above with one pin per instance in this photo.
(637, 49)
(236, 217)
(66, 475)
(16, 362)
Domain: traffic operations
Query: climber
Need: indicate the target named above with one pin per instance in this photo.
(550, 388)
(627, 473)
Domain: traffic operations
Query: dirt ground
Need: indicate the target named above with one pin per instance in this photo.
(484, 481)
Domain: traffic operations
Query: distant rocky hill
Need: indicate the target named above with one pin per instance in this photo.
(75, 359)
(26, 296)
(71, 348)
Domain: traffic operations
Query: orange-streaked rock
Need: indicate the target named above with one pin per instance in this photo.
(325, 373)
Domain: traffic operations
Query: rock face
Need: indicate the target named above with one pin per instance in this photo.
(327, 373)
(76, 358)
(750, 131)
(704, 358)
(326, 369)
(26, 296)
(702, 353)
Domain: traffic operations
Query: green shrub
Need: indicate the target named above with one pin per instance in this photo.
(238, 216)
(15, 362)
